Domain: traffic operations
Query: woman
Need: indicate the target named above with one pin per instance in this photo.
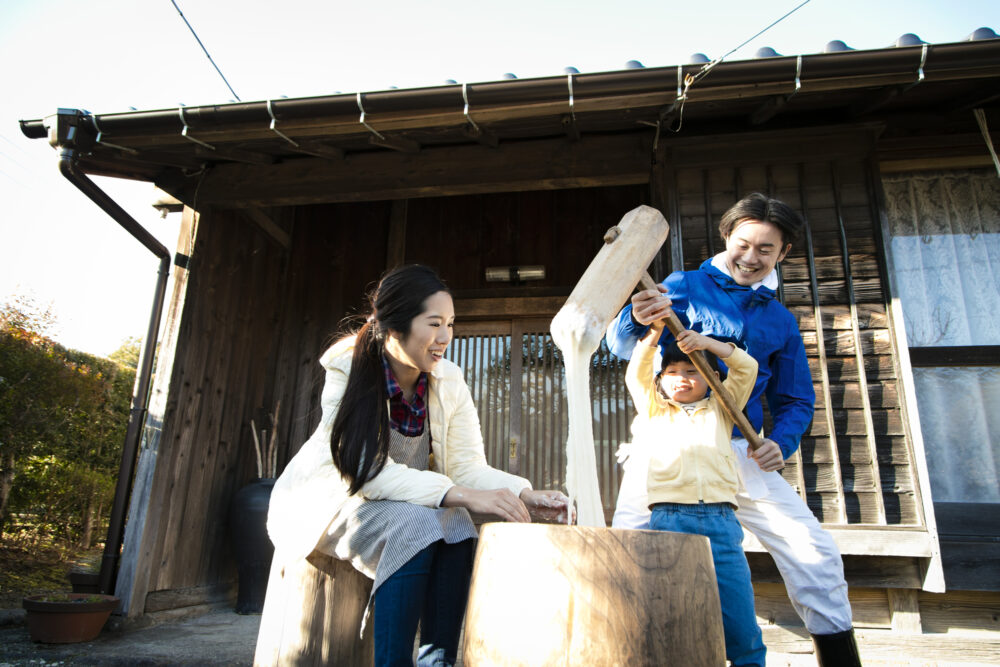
(731, 297)
(388, 478)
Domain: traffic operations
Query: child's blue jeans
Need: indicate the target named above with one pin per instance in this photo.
(717, 522)
(432, 588)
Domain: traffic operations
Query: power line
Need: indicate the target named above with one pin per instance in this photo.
(690, 79)
(206, 51)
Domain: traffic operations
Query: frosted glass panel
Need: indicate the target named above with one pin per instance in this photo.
(960, 422)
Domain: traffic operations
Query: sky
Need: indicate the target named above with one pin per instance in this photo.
(61, 250)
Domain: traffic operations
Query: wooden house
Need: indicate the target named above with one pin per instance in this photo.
(292, 208)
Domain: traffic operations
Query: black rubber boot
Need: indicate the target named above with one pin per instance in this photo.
(837, 650)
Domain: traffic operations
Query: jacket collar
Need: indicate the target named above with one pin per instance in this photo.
(763, 291)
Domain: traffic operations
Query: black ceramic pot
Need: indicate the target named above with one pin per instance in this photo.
(251, 546)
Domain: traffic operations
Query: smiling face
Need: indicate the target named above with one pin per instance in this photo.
(430, 333)
(753, 249)
(682, 382)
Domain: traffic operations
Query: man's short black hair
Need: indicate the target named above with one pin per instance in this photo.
(757, 206)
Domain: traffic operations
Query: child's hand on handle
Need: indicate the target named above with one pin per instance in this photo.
(768, 456)
(648, 305)
(688, 341)
(501, 503)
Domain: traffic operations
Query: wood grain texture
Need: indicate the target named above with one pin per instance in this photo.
(312, 615)
(558, 595)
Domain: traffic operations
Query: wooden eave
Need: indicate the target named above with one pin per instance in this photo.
(405, 131)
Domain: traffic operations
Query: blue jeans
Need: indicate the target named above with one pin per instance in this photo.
(717, 522)
(432, 588)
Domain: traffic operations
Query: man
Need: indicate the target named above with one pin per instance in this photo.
(731, 297)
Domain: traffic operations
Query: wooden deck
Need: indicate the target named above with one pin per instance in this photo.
(955, 628)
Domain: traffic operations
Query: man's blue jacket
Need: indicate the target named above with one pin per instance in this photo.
(711, 303)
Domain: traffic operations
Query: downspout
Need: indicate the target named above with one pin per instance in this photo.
(67, 138)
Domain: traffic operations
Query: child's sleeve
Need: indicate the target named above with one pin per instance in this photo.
(639, 377)
(742, 375)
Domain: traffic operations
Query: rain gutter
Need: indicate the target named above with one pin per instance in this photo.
(66, 138)
(938, 62)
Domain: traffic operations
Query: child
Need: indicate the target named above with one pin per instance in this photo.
(692, 479)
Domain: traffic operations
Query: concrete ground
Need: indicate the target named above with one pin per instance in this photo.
(218, 637)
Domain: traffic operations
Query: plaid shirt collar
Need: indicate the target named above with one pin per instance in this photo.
(407, 418)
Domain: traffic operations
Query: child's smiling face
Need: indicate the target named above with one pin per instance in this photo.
(682, 382)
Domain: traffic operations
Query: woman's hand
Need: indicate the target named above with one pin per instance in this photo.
(649, 305)
(498, 502)
(547, 505)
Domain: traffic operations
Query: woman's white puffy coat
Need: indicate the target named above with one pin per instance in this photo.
(310, 490)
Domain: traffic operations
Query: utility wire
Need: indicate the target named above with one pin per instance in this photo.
(704, 70)
(690, 79)
(206, 51)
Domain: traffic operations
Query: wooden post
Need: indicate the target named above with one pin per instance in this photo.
(312, 615)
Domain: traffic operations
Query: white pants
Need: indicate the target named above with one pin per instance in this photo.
(806, 555)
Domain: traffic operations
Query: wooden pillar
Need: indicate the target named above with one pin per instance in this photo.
(904, 610)
(312, 615)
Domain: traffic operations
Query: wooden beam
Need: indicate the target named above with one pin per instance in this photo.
(866, 540)
(485, 137)
(401, 144)
(167, 203)
(769, 109)
(572, 130)
(269, 227)
(875, 101)
(599, 160)
(505, 307)
(234, 155)
(937, 163)
(319, 149)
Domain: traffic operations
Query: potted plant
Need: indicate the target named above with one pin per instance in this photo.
(64, 618)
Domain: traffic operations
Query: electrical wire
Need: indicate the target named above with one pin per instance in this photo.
(691, 79)
(206, 51)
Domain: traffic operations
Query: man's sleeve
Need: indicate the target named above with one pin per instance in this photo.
(790, 394)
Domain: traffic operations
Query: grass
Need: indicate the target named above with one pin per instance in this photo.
(32, 563)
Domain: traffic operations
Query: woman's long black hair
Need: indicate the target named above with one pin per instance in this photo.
(360, 439)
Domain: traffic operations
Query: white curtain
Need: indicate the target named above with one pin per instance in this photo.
(945, 245)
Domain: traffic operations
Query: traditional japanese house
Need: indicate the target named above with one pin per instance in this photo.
(292, 208)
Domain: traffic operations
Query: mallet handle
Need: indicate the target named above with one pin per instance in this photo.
(701, 363)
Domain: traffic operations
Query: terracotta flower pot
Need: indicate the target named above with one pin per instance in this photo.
(67, 617)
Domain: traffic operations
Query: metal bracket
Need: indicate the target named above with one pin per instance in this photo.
(184, 131)
(274, 126)
(569, 83)
(468, 118)
(97, 127)
(371, 129)
(923, 61)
